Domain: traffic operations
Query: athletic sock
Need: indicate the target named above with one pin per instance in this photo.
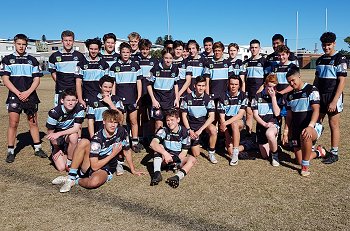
(305, 163)
(274, 153)
(69, 162)
(11, 150)
(235, 151)
(72, 174)
(181, 174)
(211, 151)
(135, 141)
(157, 163)
(37, 146)
(334, 150)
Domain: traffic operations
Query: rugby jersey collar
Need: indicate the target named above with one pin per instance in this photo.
(63, 51)
(230, 96)
(88, 58)
(16, 54)
(161, 66)
(195, 96)
(104, 133)
(179, 59)
(218, 60)
(178, 131)
(103, 52)
(63, 109)
(122, 62)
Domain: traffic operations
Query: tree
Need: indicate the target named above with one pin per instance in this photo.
(347, 40)
(344, 52)
(43, 38)
(160, 40)
(156, 53)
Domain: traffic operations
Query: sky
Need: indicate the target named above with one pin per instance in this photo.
(224, 20)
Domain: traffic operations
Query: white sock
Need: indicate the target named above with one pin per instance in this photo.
(37, 147)
(180, 174)
(157, 163)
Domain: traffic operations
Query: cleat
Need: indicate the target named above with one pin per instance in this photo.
(305, 171)
(234, 160)
(140, 146)
(275, 161)
(59, 180)
(212, 159)
(120, 169)
(173, 181)
(68, 184)
(40, 153)
(330, 159)
(136, 148)
(321, 152)
(157, 177)
(10, 158)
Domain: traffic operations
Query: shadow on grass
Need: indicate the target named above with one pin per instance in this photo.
(25, 139)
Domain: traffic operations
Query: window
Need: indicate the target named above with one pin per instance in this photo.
(9, 48)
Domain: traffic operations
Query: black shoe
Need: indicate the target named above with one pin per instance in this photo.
(330, 159)
(173, 181)
(157, 177)
(136, 148)
(40, 153)
(10, 158)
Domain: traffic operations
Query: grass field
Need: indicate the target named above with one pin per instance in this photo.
(250, 196)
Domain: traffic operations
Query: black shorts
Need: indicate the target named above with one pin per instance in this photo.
(129, 108)
(17, 108)
(326, 99)
(157, 114)
(296, 133)
(261, 133)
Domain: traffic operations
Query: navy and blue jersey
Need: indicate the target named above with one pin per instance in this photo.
(207, 56)
(98, 106)
(218, 71)
(60, 119)
(126, 75)
(273, 60)
(101, 145)
(254, 70)
(110, 58)
(230, 105)
(281, 72)
(134, 55)
(236, 66)
(181, 65)
(22, 70)
(64, 65)
(263, 104)
(146, 64)
(299, 102)
(328, 69)
(163, 81)
(195, 67)
(174, 142)
(91, 71)
(197, 109)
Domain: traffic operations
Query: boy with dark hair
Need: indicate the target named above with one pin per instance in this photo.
(169, 44)
(109, 54)
(63, 63)
(198, 114)
(272, 59)
(184, 80)
(63, 126)
(208, 48)
(170, 145)
(21, 75)
(330, 76)
(236, 63)
(89, 72)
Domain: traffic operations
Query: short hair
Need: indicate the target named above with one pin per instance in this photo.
(124, 45)
(20, 36)
(67, 33)
(178, 43)
(218, 45)
(328, 37)
(271, 78)
(96, 41)
(292, 71)
(185, 47)
(254, 41)
(145, 43)
(104, 79)
(173, 112)
(235, 45)
(208, 39)
(283, 48)
(111, 115)
(278, 37)
(236, 77)
(192, 41)
(109, 36)
(200, 79)
(69, 92)
(168, 42)
(134, 35)
(167, 50)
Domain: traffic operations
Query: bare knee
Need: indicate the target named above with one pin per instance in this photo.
(73, 138)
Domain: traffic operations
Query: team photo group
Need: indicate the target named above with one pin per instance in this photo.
(172, 107)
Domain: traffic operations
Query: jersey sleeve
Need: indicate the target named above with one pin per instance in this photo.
(80, 115)
(254, 103)
(125, 139)
(210, 105)
(52, 119)
(189, 70)
(138, 71)
(90, 113)
(186, 141)
(160, 135)
(314, 96)
(52, 63)
(95, 147)
(221, 106)
(184, 106)
(36, 71)
(6, 69)
(342, 67)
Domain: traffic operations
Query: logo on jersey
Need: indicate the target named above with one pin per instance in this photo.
(96, 104)
(133, 69)
(14, 105)
(260, 100)
(200, 64)
(75, 58)
(189, 102)
(211, 66)
(95, 147)
(173, 75)
(151, 63)
(12, 61)
(331, 62)
(225, 65)
(58, 58)
(168, 137)
(226, 102)
(86, 66)
(237, 66)
(100, 67)
(259, 64)
(316, 95)
(117, 69)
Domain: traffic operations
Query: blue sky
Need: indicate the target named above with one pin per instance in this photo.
(224, 20)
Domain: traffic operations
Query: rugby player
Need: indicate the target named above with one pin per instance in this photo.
(233, 49)
(184, 80)
(208, 48)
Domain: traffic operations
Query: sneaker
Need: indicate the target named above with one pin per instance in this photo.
(120, 169)
(68, 184)
(136, 148)
(40, 153)
(275, 161)
(321, 152)
(10, 157)
(305, 171)
(212, 159)
(157, 177)
(234, 159)
(59, 180)
(330, 159)
(173, 181)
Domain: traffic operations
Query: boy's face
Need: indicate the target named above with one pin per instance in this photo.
(233, 86)
(125, 54)
(134, 43)
(68, 43)
(185, 54)
(283, 57)
(200, 87)
(20, 45)
(193, 49)
(254, 49)
(179, 51)
(172, 122)
(93, 50)
(69, 102)
(328, 48)
(276, 43)
(145, 51)
(218, 52)
(106, 88)
(208, 47)
(167, 59)
(233, 52)
(294, 81)
(110, 45)
(269, 87)
(110, 126)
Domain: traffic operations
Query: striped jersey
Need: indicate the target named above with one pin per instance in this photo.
(263, 104)
(181, 65)
(60, 119)
(273, 60)
(236, 66)
(146, 64)
(110, 58)
(230, 105)
(254, 70)
(195, 67)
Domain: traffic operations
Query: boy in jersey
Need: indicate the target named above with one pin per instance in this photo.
(162, 87)
(302, 125)
(331, 72)
(254, 71)
(21, 75)
(96, 160)
(272, 59)
(208, 48)
(266, 110)
(184, 80)
(198, 114)
(170, 145)
(168, 44)
(236, 63)
(232, 109)
(134, 39)
(186, 52)
(89, 72)
(127, 74)
(63, 125)
(62, 65)
(109, 54)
